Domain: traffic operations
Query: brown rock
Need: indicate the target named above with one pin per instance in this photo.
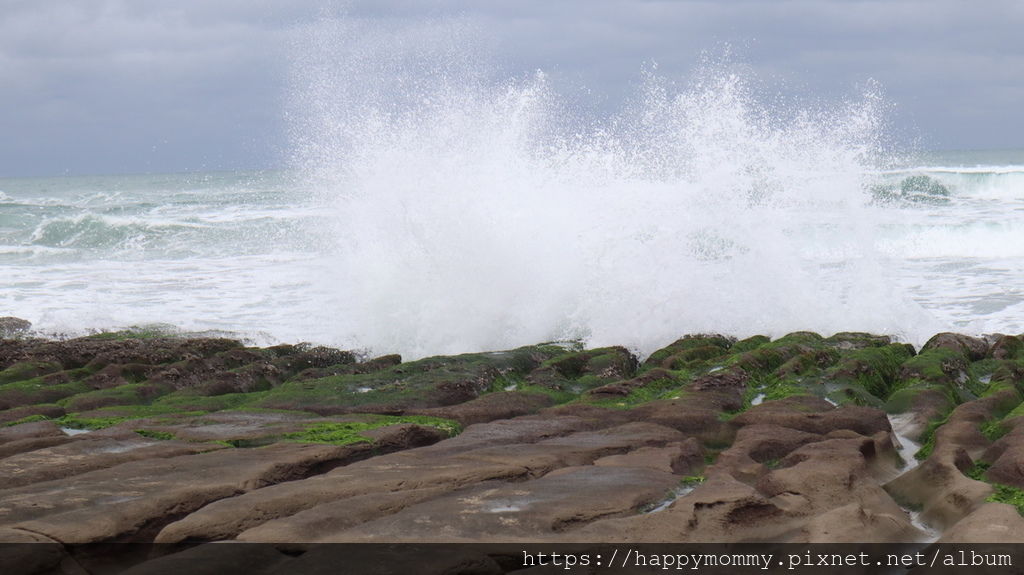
(686, 416)
(859, 523)
(13, 326)
(215, 559)
(401, 436)
(31, 430)
(10, 415)
(938, 487)
(827, 472)
(489, 407)
(718, 511)
(1006, 347)
(864, 420)
(86, 453)
(678, 458)
(973, 348)
(110, 376)
(560, 501)
(30, 553)
(756, 445)
(624, 387)
(25, 445)
(140, 495)
(521, 430)
(227, 518)
(732, 379)
(239, 427)
(594, 415)
(962, 430)
(1008, 467)
(381, 560)
(988, 523)
(483, 452)
(337, 516)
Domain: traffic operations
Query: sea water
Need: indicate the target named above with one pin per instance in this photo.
(431, 208)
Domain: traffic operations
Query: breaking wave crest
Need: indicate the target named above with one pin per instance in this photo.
(92, 231)
(474, 213)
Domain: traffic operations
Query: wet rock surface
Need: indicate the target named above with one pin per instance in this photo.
(848, 438)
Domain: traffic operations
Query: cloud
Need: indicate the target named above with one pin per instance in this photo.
(116, 86)
(137, 85)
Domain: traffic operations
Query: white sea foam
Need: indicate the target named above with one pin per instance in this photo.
(978, 239)
(997, 170)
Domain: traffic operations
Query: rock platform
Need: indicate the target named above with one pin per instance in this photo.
(127, 437)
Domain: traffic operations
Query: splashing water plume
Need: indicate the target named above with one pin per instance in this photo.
(474, 214)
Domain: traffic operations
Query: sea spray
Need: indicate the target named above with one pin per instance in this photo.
(473, 213)
(436, 205)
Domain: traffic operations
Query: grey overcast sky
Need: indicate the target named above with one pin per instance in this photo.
(116, 86)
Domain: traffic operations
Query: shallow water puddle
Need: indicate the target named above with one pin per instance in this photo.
(504, 509)
(931, 534)
(674, 495)
(907, 448)
(123, 447)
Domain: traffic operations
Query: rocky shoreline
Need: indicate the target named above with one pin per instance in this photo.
(134, 437)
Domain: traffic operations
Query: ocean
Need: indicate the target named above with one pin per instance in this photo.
(478, 218)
